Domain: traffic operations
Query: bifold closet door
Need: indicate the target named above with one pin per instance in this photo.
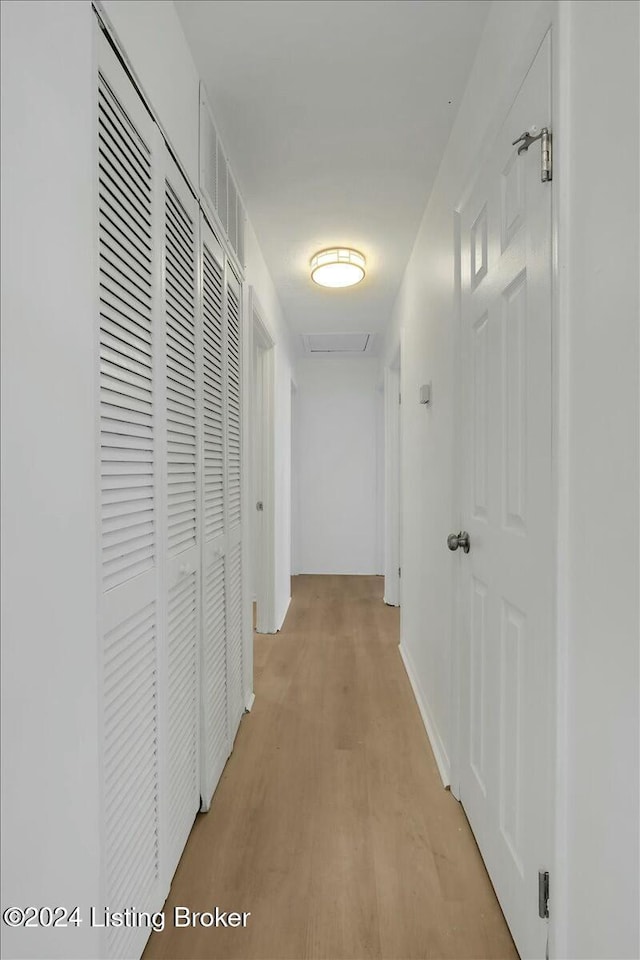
(181, 509)
(170, 346)
(130, 310)
(214, 700)
(234, 584)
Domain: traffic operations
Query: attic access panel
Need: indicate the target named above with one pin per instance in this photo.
(317, 343)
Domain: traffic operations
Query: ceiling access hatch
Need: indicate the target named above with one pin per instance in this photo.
(323, 343)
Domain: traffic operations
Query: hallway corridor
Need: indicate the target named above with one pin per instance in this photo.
(330, 823)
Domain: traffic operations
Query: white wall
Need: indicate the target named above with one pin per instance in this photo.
(338, 427)
(50, 840)
(599, 628)
(595, 875)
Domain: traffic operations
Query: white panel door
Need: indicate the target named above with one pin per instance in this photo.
(181, 509)
(129, 188)
(234, 586)
(215, 733)
(506, 579)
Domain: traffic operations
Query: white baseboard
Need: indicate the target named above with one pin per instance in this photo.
(277, 626)
(284, 615)
(250, 702)
(439, 752)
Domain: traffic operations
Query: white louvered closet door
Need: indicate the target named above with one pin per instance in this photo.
(214, 728)
(235, 685)
(129, 149)
(181, 509)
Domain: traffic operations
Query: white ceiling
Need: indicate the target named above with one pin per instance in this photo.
(334, 115)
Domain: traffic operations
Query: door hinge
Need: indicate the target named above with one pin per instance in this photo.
(543, 894)
(544, 136)
(399, 572)
(400, 399)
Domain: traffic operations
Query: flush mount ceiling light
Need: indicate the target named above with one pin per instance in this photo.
(337, 267)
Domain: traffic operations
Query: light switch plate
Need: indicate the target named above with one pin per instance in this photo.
(425, 393)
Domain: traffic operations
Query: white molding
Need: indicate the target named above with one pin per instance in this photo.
(455, 678)
(295, 514)
(280, 621)
(247, 610)
(265, 587)
(250, 702)
(391, 551)
(437, 746)
(306, 350)
(561, 53)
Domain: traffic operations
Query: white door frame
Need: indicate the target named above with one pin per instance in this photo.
(554, 20)
(262, 459)
(295, 519)
(392, 499)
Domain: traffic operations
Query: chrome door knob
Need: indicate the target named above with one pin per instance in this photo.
(455, 540)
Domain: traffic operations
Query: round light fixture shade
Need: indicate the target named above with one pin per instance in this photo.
(337, 267)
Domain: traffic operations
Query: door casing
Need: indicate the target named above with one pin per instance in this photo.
(392, 479)
(262, 465)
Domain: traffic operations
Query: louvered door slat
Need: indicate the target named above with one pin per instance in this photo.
(213, 402)
(234, 639)
(109, 116)
(131, 777)
(122, 217)
(131, 617)
(214, 687)
(233, 506)
(180, 307)
(127, 159)
(183, 710)
(222, 186)
(181, 510)
(233, 406)
(117, 235)
(216, 180)
(232, 213)
(126, 371)
(241, 219)
(181, 340)
(120, 321)
(128, 527)
(215, 744)
(112, 129)
(118, 194)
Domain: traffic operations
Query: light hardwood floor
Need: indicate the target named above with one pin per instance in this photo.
(330, 823)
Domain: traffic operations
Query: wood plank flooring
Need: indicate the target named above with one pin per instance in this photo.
(330, 823)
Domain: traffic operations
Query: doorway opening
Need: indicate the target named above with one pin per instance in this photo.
(262, 566)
